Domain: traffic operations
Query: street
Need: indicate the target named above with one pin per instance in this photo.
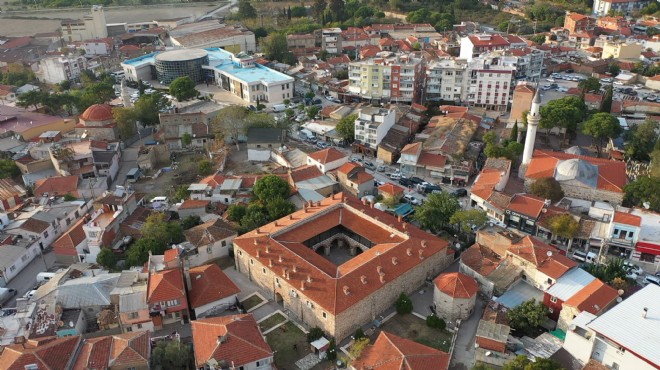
(26, 280)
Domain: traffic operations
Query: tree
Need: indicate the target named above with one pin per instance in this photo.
(513, 135)
(612, 269)
(149, 106)
(643, 190)
(68, 197)
(614, 69)
(271, 187)
(205, 168)
(518, 363)
(602, 126)
(469, 220)
(527, 316)
(539, 39)
(606, 105)
(186, 139)
(318, 8)
(358, 347)
(183, 88)
(170, 354)
(235, 212)
(255, 216)
(8, 169)
(642, 139)
(278, 208)
(315, 333)
(165, 233)
(435, 322)
(547, 188)
(246, 10)
(564, 225)
(298, 11)
(404, 304)
(181, 193)
(230, 122)
(87, 77)
(138, 254)
(190, 222)
(589, 85)
(564, 113)
(31, 99)
(313, 111)
(275, 47)
(125, 119)
(436, 211)
(346, 127)
(481, 367)
(107, 259)
(337, 9)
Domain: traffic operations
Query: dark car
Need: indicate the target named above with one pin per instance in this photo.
(460, 193)
(317, 101)
(405, 182)
(416, 180)
(430, 188)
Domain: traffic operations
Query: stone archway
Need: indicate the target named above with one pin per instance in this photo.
(278, 298)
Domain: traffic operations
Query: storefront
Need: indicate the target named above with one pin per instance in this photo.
(521, 222)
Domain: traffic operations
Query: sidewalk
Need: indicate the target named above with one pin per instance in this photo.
(248, 288)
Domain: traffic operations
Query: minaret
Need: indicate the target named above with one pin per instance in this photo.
(533, 118)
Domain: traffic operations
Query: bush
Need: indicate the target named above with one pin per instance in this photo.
(205, 168)
(433, 321)
(359, 334)
(332, 350)
(314, 334)
(403, 304)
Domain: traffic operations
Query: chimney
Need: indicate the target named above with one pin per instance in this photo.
(395, 261)
(345, 199)
(309, 278)
(363, 279)
(258, 231)
(423, 243)
(302, 285)
(421, 254)
(379, 269)
(371, 204)
(288, 274)
(267, 249)
(295, 269)
(382, 278)
(376, 218)
(364, 201)
(222, 339)
(644, 312)
(256, 242)
(279, 259)
(346, 290)
(285, 272)
(270, 262)
(276, 225)
(258, 253)
(409, 251)
(399, 218)
(290, 217)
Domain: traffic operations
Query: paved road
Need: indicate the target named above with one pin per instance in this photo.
(27, 279)
(128, 160)
(223, 9)
(463, 356)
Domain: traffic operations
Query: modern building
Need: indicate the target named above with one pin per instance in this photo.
(626, 7)
(387, 78)
(173, 64)
(622, 50)
(473, 46)
(331, 40)
(490, 81)
(454, 296)
(445, 80)
(337, 263)
(625, 337)
(238, 74)
(371, 126)
(54, 70)
(92, 26)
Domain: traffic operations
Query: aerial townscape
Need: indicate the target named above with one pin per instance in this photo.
(330, 184)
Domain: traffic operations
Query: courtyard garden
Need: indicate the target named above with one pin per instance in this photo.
(412, 327)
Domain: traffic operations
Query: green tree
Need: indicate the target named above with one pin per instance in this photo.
(642, 139)
(436, 211)
(602, 126)
(271, 187)
(337, 9)
(589, 85)
(404, 304)
(8, 169)
(298, 11)
(181, 193)
(612, 269)
(518, 363)
(469, 220)
(528, 316)
(164, 232)
(17, 75)
(539, 39)
(170, 354)
(563, 113)
(275, 47)
(255, 216)
(190, 222)
(186, 139)
(125, 119)
(87, 77)
(204, 167)
(183, 88)
(315, 333)
(278, 208)
(513, 135)
(31, 99)
(246, 10)
(358, 347)
(655, 161)
(318, 7)
(614, 69)
(107, 259)
(643, 190)
(231, 122)
(68, 197)
(313, 111)
(138, 254)
(606, 105)
(148, 107)
(346, 127)
(235, 212)
(564, 225)
(435, 322)
(547, 188)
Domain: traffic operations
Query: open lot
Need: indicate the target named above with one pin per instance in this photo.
(413, 328)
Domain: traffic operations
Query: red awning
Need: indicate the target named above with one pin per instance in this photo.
(645, 247)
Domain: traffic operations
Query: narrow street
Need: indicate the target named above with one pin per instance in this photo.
(27, 279)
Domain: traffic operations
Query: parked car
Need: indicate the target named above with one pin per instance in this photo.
(416, 180)
(412, 200)
(632, 268)
(379, 183)
(322, 145)
(381, 168)
(395, 176)
(430, 188)
(317, 101)
(460, 193)
(369, 165)
(546, 87)
(618, 83)
(550, 79)
(404, 181)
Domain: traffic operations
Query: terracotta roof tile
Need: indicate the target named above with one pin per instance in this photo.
(209, 232)
(347, 167)
(484, 186)
(34, 225)
(120, 350)
(305, 173)
(47, 353)
(166, 285)
(193, 203)
(627, 219)
(480, 259)
(593, 298)
(209, 284)
(535, 251)
(97, 112)
(430, 160)
(456, 285)
(234, 339)
(390, 352)
(391, 189)
(327, 155)
(56, 185)
(412, 148)
(499, 200)
(527, 204)
(72, 237)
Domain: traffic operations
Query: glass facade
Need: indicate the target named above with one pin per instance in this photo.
(168, 70)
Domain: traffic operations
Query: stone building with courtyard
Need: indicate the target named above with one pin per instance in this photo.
(339, 263)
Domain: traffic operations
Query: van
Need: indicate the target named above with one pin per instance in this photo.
(44, 276)
(279, 108)
(651, 279)
(582, 256)
(159, 199)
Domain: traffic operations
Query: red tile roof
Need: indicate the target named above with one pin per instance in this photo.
(456, 285)
(305, 173)
(593, 298)
(47, 353)
(9, 189)
(56, 185)
(412, 148)
(71, 238)
(611, 174)
(527, 204)
(209, 232)
(170, 255)
(347, 167)
(337, 288)
(34, 225)
(390, 352)
(480, 259)
(327, 155)
(545, 257)
(193, 203)
(577, 17)
(119, 350)
(391, 189)
(627, 219)
(484, 186)
(235, 340)
(166, 285)
(97, 112)
(209, 284)
(430, 160)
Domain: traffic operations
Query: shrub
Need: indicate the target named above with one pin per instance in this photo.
(359, 334)
(403, 304)
(433, 321)
(314, 334)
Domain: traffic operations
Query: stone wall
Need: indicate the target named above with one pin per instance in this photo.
(575, 189)
(566, 317)
(450, 308)
(485, 286)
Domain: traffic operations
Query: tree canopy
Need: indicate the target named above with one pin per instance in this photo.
(591, 84)
(436, 212)
(149, 106)
(271, 187)
(642, 139)
(564, 225)
(346, 127)
(183, 88)
(246, 10)
(547, 188)
(564, 113)
(231, 122)
(275, 47)
(523, 363)
(170, 354)
(602, 126)
(642, 190)
(526, 317)
(107, 259)
(469, 220)
(8, 169)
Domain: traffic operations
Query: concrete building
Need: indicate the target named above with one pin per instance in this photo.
(473, 46)
(454, 295)
(327, 159)
(331, 40)
(354, 179)
(577, 23)
(626, 7)
(334, 289)
(523, 94)
(176, 125)
(388, 78)
(622, 50)
(305, 41)
(11, 195)
(625, 337)
(372, 124)
(490, 81)
(445, 80)
(92, 26)
(54, 70)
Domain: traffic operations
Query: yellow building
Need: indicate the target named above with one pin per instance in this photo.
(621, 50)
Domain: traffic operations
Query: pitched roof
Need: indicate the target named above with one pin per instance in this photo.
(627, 219)
(305, 173)
(484, 186)
(209, 284)
(390, 352)
(545, 257)
(456, 285)
(327, 155)
(194, 203)
(10, 189)
(34, 225)
(119, 350)
(209, 232)
(480, 259)
(390, 189)
(577, 17)
(594, 297)
(47, 353)
(609, 175)
(72, 237)
(56, 185)
(527, 204)
(412, 148)
(234, 339)
(166, 285)
(347, 167)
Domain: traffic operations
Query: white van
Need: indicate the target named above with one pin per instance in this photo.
(582, 256)
(44, 276)
(651, 279)
(279, 108)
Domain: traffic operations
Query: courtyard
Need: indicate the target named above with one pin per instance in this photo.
(289, 344)
(414, 328)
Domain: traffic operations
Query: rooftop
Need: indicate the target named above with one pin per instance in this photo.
(209, 284)
(391, 352)
(570, 283)
(456, 285)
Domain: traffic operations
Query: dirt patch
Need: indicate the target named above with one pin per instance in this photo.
(415, 329)
(289, 344)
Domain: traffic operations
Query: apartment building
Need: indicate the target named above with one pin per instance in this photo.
(394, 78)
(622, 50)
(604, 7)
(331, 40)
(372, 125)
(445, 80)
(54, 70)
(490, 82)
(575, 23)
(473, 46)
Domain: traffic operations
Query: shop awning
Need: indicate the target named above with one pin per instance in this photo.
(646, 247)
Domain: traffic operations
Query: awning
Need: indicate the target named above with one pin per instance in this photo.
(645, 247)
(403, 210)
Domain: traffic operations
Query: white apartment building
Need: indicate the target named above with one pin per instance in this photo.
(372, 125)
(603, 7)
(61, 68)
(623, 338)
(473, 46)
(92, 26)
(331, 40)
(490, 82)
(445, 80)
(387, 78)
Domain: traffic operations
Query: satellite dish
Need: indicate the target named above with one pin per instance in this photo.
(620, 292)
(71, 324)
(646, 205)
(619, 299)
(549, 253)
(488, 353)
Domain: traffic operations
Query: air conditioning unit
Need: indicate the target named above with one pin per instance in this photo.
(309, 304)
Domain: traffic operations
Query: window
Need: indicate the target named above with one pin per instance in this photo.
(172, 303)
(251, 261)
(324, 314)
(25, 257)
(224, 243)
(129, 329)
(133, 315)
(553, 299)
(209, 250)
(45, 234)
(263, 269)
(240, 253)
(12, 268)
(139, 326)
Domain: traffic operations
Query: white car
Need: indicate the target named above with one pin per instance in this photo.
(618, 83)
(606, 80)
(550, 79)
(638, 86)
(412, 200)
